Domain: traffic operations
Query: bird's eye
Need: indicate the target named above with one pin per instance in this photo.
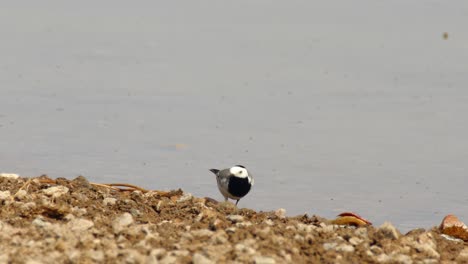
(240, 172)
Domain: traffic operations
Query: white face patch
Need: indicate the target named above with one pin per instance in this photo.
(239, 172)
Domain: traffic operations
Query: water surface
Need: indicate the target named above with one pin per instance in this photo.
(332, 106)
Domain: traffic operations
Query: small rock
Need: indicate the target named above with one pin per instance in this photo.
(387, 230)
(376, 250)
(394, 258)
(122, 222)
(264, 260)
(269, 222)
(242, 247)
(4, 195)
(235, 218)
(168, 260)
(158, 253)
(96, 255)
(80, 225)
(280, 213)
(79, 211)
(425, 243)
(39, 222)
(179, 253)
(185, 197)
(55, 191)
(4, 258)
(9, 175)
(201, 259)
(303, 228)
(219, 238)
(355, 241)
(202, 233)
(430, 261)
(132, 256)
(462, 256)
(21, 194)
(361, 232)
(109, 201)
(404, 259)
(344, 248)
(328, 246)
(244, 224)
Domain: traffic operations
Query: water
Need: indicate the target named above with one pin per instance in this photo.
(332, 106)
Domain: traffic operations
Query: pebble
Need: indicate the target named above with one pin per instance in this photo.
(9, 175)
(344, 248)
(109, 201)
(303, 228)
(264, 260)
(168, 260)
(201, 259)
(55, 191)
(328, 246)
(185, 197)
(242, 247)
(122, 222)
(80, 225)
(21, 194)
(202, 233)
(463, 255)
(4, 195)
(39, 222)
(355, 241)
(235, 218)
(389, 231)
(95, 255)
(280, 213)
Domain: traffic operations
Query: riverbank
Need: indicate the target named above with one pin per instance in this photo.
(44, 220)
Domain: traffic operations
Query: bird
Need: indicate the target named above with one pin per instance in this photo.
(234, 182)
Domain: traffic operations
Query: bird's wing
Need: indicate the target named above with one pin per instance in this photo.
(224, 174)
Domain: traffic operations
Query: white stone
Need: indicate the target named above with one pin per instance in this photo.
(344, 248)
(9, 175)
(280, 213)
(4, 195)
(264, 260)
(355, 241)
(21, 194)
(185, 197)
(389, 230)
(55, 191)
(121, 222)
(202, 233)
(96, 255)
(39, 222)
(328, 246)
(109, 201)
(201, 259)
(235, 218)
(80, 224)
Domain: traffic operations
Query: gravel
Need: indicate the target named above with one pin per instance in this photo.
(72, 221)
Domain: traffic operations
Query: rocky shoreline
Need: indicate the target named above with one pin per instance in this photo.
(74, 221)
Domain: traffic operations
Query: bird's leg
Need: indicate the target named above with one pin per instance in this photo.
(225, 199)
(237, 202)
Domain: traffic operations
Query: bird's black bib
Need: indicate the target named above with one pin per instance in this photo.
(239, 187)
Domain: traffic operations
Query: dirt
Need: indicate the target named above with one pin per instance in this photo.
(73, 221)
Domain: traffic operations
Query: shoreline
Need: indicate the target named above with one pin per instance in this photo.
(44, 220)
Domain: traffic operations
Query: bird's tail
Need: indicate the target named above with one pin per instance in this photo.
(215, 171)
